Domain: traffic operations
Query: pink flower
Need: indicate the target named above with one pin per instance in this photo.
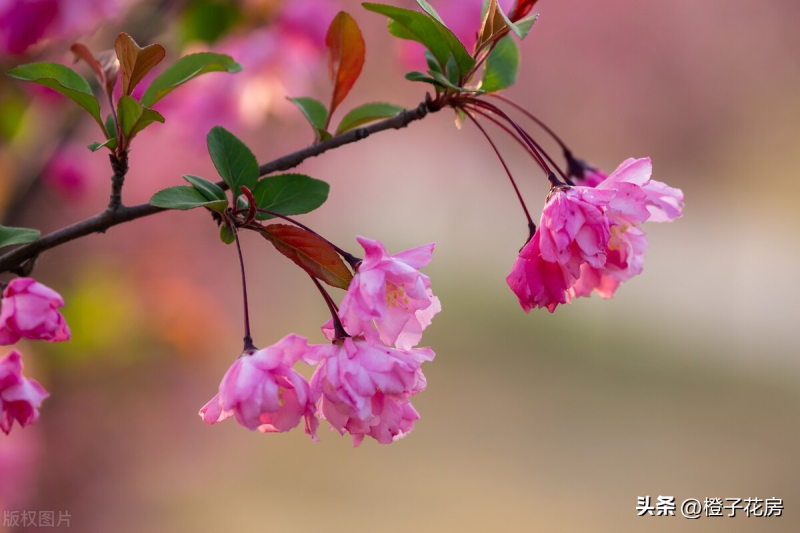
(263, 391)
(536, 282)
(628, 243)
(20, 397)
(395, 419)
(364, 387)
(390, 291)
(574, 228)
(626, 251)
(574, 231)
(664, 203)
(593, 177)
(590, 238)
(29, 310)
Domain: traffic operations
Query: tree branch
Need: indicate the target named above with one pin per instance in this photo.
(15, 259)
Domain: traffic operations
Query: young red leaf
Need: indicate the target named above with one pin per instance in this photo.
(310, 252)
(104, 65)
(494, 26)
(521, 9)
(135, 61)
(346, 56)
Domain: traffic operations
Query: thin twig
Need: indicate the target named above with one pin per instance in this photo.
(109, 218)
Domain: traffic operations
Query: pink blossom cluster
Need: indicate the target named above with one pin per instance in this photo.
(590, 237)
(23, 23)
(363, 381)
(28, 310)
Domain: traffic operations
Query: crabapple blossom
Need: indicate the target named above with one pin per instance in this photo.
(397, 417)
(628, 243)
(262, 391)
(354, 380)
(590, 238)
(20, 397)
(29, 310)
(390, 291)
(625, 259)
(574, 228)
(537, 282)
(664, 203)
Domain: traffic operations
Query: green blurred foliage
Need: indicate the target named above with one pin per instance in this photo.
(208, 20)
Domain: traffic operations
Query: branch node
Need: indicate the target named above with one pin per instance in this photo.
(26, 269)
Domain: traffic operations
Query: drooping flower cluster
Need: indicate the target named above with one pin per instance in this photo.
(28, 310)
(363, 381)
(590, 237)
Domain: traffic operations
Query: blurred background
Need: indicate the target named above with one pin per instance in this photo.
(685, 384)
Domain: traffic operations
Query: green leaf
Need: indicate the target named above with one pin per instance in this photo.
(110, 127)
(463, 58)
(451, 71)
(211, 191)
(522, 27)
(525, 25)
(414, 26)
(111, 136)
(419, 76)
(111, 144)
(442, 79)
(432, 64)
(310, 252)
(430, 11)
(13, 236)
(290, 194)
(226, 235)
(501, 66)
(317, 115)
(183, 198)
(63, 80)
(367, 113)
(185, 69)
(233, 159)
(133, 118)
